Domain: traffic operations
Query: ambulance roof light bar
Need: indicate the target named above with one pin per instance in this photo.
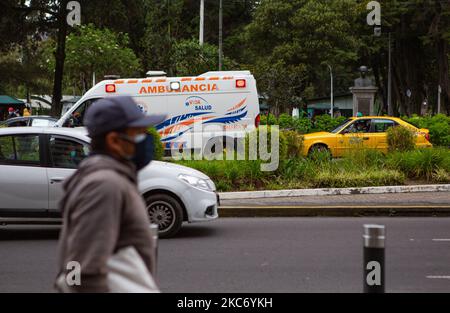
(156, 74)
(111, 77)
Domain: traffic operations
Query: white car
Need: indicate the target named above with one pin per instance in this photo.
(34, 162)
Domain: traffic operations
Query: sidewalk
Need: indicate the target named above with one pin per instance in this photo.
(387, 204)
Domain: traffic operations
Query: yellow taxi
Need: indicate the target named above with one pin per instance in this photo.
(367, 132)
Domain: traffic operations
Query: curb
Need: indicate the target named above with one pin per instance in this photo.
(331, 191)
(335, 211)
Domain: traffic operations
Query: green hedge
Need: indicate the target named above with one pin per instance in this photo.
(439, 126)
(303, 125)
(400, 138)
(159, 146)
(359, 169)
(421, 163)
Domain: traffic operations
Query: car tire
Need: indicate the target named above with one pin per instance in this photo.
(166, 212)
(318, 148)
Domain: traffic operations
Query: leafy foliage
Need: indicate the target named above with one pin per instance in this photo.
(89, 50)
(439, 126)
(400, 139)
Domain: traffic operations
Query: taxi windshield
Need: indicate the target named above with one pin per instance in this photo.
(341, 126)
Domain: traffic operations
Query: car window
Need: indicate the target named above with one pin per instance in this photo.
(66, 153)
(359, 126)
(77, 117)
(20, 149)
(42, 123)
(381, 126)
(21, 123)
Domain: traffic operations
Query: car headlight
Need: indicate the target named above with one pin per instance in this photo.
(197, 182)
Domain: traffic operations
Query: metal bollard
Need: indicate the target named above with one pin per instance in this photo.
(154, 234)
(374, 244)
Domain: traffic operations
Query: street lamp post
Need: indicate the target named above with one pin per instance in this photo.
(202, 19)
(220, 34)
(331, 90)
(439, 99)
(389, 97)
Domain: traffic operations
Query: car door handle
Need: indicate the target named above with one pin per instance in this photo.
(56, 180)
(366, 138)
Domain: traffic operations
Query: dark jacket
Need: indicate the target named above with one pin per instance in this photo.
(103, 212)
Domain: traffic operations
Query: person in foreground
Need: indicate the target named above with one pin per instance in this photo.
(104, 215)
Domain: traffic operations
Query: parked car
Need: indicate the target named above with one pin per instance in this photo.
(35, 120)
(34, 161)
(362, 132)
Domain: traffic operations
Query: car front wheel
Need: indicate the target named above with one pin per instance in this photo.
(166, 212)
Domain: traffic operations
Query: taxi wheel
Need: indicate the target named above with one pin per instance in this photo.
(318, 148)
(166, 212)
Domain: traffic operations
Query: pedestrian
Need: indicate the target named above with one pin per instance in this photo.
(104, 215)
(26, 112)
(12, 113)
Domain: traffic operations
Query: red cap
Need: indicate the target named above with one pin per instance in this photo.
(10, 110)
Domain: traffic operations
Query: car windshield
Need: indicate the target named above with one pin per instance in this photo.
(340, 127)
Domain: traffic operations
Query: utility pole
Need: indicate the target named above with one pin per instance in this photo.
(389, 97)
(220, 35)
(202, 21)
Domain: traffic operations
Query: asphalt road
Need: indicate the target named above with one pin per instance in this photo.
(259, 255)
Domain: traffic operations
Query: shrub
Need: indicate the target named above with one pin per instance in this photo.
(363, 159)
(441, 176)
(302, 125)
(345, 179)
(282, 146)
(294, 143)
(159, 146)
(439, 126)
(401, 139)
(268, 119)
(298, 169)
(285, 121)
(440, 134)
(326, 123)
(422, 163)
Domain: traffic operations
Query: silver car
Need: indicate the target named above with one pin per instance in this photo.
(35, 161)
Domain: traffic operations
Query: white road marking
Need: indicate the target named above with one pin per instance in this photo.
(438, 277)
(442, 239)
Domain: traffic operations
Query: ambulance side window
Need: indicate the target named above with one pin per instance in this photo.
(77, 117)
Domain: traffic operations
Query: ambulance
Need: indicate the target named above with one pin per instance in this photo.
(200, 110)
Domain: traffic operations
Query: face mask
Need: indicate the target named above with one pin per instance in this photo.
(144, 150)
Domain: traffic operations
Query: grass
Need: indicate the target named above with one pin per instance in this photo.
(429, 164)
(361, 168)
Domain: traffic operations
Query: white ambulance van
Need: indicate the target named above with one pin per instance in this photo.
(200, 110)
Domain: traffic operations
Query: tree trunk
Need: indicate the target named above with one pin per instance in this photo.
(443, 68)
(60, 56)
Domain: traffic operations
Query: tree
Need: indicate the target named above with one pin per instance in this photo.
(291, 40)
(420, 31)
(90, 50)
(191, 59)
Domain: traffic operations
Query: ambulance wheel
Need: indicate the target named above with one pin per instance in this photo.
(166, 212)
